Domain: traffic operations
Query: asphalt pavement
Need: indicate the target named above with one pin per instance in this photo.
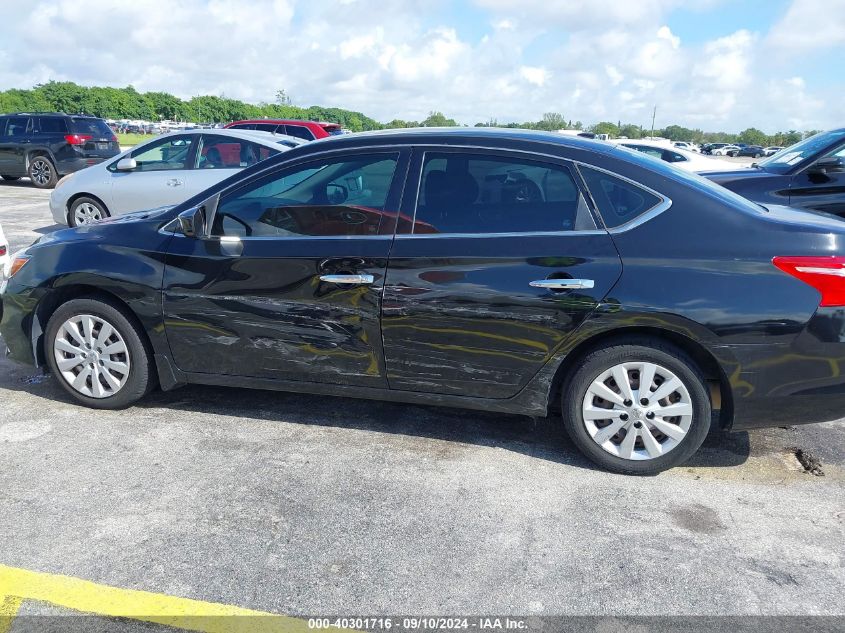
(297, 504)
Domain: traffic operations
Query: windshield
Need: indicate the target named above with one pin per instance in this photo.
(788, 158)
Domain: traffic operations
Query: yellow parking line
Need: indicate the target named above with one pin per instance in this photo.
(17, 585)
(9, 606)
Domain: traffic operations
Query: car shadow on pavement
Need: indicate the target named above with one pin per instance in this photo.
(543, 438)
(23, 183)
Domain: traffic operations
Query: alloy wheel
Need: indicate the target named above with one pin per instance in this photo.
(637, 410)
(92, 356)
(41, 171)
(86, 213)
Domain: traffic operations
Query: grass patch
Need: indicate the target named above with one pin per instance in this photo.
(130, 140)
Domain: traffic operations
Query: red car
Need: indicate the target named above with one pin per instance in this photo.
(309, 130)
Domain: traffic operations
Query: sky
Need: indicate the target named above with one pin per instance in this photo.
(712, 64)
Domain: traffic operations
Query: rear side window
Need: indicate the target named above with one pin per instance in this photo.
(52, 125)
(487, 193)
(93, 127)
(228, 152)
(299, 131)
(618, 200)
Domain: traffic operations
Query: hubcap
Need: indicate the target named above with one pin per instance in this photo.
(86, 213)
(637, 410)
(41, 172)
(91, 356)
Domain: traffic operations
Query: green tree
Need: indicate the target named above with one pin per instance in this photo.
(605, 127)
(552, 121)
(438, 119)
(753, 136)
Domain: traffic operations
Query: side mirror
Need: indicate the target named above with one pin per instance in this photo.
(336, 194)
(126, 164)
(192, 222)
(829, 165)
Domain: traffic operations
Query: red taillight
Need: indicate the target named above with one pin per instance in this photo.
(78, 139)
(825, 274)
(2, 251)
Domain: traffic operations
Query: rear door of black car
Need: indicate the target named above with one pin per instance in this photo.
(497, 260)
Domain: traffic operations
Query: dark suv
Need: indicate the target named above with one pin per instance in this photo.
(45, 146)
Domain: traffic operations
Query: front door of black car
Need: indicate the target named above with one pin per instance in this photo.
(14, 140)
(499, 261)
(820, 190)
(289, 282)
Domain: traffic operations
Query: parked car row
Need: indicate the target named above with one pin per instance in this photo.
(505, 270)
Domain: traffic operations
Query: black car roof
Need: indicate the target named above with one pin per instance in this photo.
(452, 134)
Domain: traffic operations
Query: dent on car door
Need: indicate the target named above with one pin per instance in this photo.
(288, 284)
(497, 261)
(161, 177)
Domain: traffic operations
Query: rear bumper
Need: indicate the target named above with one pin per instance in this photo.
(802, 382)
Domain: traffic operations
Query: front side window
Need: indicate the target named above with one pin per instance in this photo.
(16, 126)
(344, 196)
(226, 152)
(164, 154)
(618, 200)
(488, 193)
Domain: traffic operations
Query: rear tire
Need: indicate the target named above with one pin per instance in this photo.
(634, 438)
(11, 178)
(98, 355)
(85, 210)
(42, 172)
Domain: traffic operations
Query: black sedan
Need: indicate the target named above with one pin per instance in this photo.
(754, 151)
(508, 271)
(807, 175)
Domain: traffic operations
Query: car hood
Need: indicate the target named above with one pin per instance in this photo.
(152, 218)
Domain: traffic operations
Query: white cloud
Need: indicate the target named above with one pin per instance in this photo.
(588, 59)
(809, 25)
(534, 75)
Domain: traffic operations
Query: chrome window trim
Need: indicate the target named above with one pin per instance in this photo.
(646, 216)
(405, 236)
(642, 218)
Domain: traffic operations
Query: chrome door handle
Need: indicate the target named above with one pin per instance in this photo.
(348, 279)
(563, 284)
(174, 182)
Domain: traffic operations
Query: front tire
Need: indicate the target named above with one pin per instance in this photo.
(42, 172)
(633, 428)
(86, 210)
(98, 354)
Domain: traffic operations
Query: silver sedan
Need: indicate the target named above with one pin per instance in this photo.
(165, 170)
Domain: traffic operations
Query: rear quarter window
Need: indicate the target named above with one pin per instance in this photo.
(619, 201)
(52, 125)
